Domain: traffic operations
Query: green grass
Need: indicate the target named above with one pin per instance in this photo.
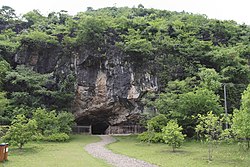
(47, 154)
(191, 154)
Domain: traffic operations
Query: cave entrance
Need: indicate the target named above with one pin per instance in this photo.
(99, 128)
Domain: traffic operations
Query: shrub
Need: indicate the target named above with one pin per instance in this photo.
(65, 122)
(21, 131)
(154, 126)
(157, 123)
(151, 137)
(172, 134)
(57, 137)
(38, 37)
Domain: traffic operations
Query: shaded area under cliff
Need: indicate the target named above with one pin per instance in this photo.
(98, 123)
(99, 128)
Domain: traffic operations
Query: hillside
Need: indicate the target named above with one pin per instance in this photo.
(109, 66)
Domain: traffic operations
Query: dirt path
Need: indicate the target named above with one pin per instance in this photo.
(99, 151)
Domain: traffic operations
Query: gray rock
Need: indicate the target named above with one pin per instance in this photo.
(108, 85)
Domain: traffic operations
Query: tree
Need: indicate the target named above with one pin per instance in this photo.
(196, 102)
(199, 101)
(8, 42)
(157, 123)
(34, 17)
(46, 121)
(37, 38)
(241, 126)
(21, 131)
(29, 88)
(4, 68)
(7, 13)
(209, 79)
(210, 128)
(168, 101)
(3, 102)
(154, 129)
(134, 42)
(90, 30)
(172, 134)
(241, 123)
(65, 122)
(50, 123)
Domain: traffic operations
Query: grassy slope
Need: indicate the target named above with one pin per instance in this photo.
(192, 154)
(70, 154)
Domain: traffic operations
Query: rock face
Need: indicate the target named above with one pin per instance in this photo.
(108, 87)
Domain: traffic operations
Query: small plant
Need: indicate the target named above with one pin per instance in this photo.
(154, 137)
(172, 134)
(154, 132)
(210, 128)
(21, 131)
(241, 120)
(57, 137)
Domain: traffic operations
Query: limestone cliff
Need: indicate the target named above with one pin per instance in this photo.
(108, 85)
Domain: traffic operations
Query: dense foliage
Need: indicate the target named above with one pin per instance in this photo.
(210, 129)
(172, 135)
(241, 123)
(193, 57)
(21, 131)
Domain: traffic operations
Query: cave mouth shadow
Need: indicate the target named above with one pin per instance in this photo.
(99, 128)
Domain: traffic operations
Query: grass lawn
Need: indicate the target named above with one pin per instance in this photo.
(47, 154)
(191, 154)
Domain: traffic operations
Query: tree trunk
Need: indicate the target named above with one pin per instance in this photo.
(210, 152)
(173, 146)
(20, 145)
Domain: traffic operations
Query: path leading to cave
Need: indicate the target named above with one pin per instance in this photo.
(98, 150)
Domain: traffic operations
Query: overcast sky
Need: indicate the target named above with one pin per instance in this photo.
(237, 10)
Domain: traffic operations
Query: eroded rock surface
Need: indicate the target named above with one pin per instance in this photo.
(109, 84)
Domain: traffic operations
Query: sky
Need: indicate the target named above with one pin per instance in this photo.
(237, 10)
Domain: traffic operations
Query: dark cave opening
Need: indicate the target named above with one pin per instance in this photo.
(99, 128)
(98, 122)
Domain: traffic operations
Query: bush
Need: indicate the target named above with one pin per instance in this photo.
(152, 137)
(3, 130)
(57, 137)
(65, 122)
(154, 126)
(38, 37)
(157, 123)
(21, 131)
(172, 134)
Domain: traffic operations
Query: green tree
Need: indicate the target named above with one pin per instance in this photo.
(37, 38)
(7, 13)
(91, 30)
(154, 129)
(4, 68)
(46, 121)
(209, 79)
(210, 128)
(3, 102)
(34, 18)
(169, 99)
(49, 122)
(21, 131)
(65, 122)
(172, 135)
(29, 88)
(241, 123)
(9, 42)
(196, 102)
(157, 123)
(134, 42)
